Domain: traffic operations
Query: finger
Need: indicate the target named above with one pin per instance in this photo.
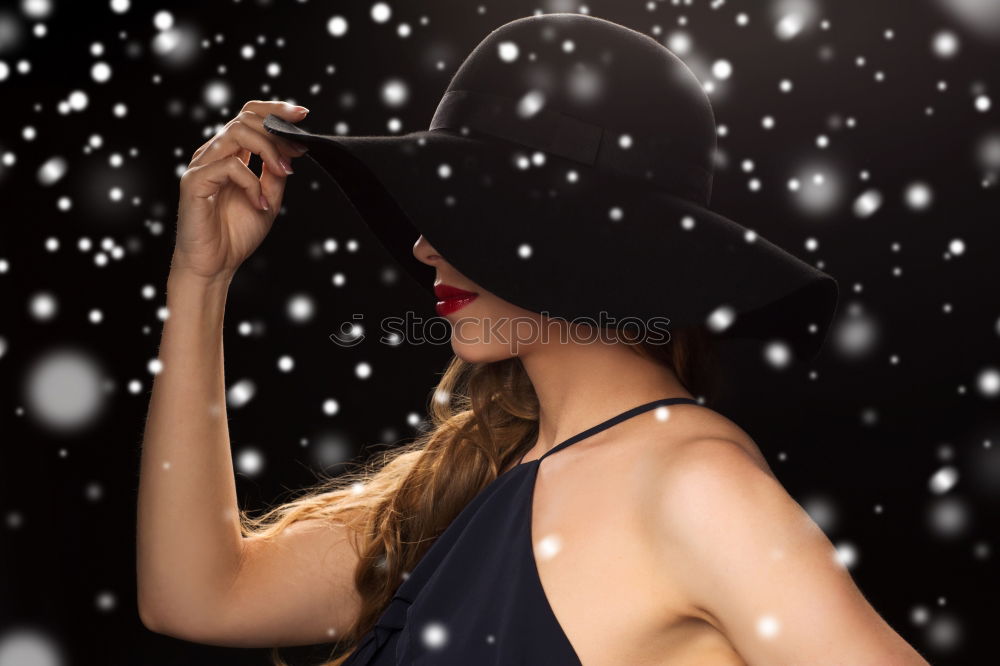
(240, 137)
(255, 118)
(289, 112)
(272, 185)
(214, 148)
(289, 146)
(201, 182)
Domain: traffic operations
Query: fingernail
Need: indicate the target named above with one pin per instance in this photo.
(298, 146)
(286, 165)
(263, 203)
(301, 109)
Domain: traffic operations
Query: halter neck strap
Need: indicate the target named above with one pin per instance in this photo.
(614, 420)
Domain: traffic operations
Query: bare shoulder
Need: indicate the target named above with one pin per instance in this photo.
(705, 478)
(687, 467)
(701, 466)
(698, 433)
(748, 559)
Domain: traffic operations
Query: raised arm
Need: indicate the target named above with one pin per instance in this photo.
(189, 543)
(197, 577)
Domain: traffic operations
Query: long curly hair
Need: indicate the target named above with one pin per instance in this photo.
(483, 417)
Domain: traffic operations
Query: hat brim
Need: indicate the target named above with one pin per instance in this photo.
(511, 220)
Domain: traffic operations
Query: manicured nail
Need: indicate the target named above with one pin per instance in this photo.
(286, 165)
(263, 203)
(301, 109)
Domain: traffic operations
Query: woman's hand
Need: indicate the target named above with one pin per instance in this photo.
(225, 210)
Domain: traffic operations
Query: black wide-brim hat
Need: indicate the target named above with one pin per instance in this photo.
(568, 170)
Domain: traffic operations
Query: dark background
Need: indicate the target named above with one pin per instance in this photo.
(889, 438)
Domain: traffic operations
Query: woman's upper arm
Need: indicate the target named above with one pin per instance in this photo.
(295, 589)
(751, 557)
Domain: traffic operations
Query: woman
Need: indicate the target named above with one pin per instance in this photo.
(575, 501)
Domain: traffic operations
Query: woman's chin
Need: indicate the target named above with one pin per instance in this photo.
(480, 353)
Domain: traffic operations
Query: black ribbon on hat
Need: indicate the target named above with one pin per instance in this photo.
(648, 160)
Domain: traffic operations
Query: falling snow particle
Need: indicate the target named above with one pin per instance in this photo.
(679, 43)
(216, 94)
(250, 461)
(508, 51)
(52, 170)
(43, 306)
(846, 554)
(767, 626)
(100, 72)
(918, 196)
(530, 104)
(163, 20)
(721, 318)
(300, 308)
(948, 517)
(868, 203)
(240, 393)
(548, 547)
(434, 635)
(25, 645)
(381, 12)
(777, 354)
(105, 601)
(988, 382)
(945, 44)
(943, 480)
(395, 93)
(855, 336)
(337, 26)
(64, 390)
(919, 615)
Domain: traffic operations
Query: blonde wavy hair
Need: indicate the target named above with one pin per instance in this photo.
(483, 417)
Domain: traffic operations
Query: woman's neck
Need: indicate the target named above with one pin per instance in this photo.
(579, 385)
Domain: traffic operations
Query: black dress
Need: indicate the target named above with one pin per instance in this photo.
(475, 598)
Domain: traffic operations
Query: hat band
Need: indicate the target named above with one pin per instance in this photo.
(650, 160)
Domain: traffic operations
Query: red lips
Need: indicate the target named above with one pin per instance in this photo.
(451, 298)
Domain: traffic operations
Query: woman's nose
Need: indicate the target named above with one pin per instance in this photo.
(425, 252)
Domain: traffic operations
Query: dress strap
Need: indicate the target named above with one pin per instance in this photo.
(614, 420)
